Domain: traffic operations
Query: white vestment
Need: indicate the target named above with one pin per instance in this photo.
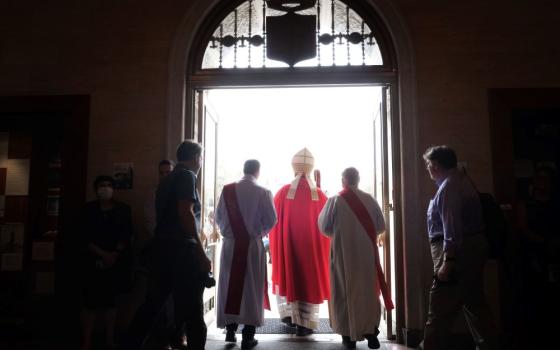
(355, 308)
(257, 209)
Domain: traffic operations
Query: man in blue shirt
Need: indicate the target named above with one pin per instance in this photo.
(459, 251)
(179, 266)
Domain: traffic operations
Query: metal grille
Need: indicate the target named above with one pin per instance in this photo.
(343, 38)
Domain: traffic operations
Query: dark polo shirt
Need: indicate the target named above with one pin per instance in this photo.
(178, 185)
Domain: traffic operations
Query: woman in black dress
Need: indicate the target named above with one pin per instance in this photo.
(107, 230)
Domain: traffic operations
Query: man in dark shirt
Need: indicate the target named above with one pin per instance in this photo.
(459, 251)
(179, 263)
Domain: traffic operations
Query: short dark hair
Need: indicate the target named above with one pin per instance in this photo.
(188, 150)
(251, 167)
(352, 176)
(102, 178)
(166, 162)
(444, 155)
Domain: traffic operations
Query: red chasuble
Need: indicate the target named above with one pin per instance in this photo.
(299, 252)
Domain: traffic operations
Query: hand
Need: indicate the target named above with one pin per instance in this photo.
(205, 263)
(109, 258)
(381, 239)
(444, 272)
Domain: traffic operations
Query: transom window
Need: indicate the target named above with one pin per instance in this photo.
(276, 33)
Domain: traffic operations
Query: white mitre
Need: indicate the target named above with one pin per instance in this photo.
(303, 163)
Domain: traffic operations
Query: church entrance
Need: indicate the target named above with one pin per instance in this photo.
(340, 126)
(268, 78)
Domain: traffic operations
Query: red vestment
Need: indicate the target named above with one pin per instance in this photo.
(299, 252)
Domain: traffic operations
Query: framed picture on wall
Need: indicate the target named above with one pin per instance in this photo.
(123, 176)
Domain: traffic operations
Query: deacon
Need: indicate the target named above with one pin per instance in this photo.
(245, 214)
(353, 220)
(300, 254)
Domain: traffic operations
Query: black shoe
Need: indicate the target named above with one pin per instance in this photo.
(288, 322)
(249, 343)
(347, 342)
(303, 331)
(230, 337)
(372, 341)
(179, 346)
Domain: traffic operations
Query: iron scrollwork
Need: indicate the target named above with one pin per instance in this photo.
(261, 33)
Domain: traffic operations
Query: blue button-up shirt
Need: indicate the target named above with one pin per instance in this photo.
(455, 211)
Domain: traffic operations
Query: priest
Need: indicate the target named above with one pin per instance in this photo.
(300, 254)
(245, 214)
(353, 220)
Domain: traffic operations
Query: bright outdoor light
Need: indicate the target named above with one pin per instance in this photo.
(271, 125)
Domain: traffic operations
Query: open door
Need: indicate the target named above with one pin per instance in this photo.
(207, 135)
(383, 193)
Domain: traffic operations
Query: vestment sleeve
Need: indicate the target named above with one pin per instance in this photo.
(327, 216)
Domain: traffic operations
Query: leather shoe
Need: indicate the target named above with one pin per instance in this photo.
(347, 342)
(288, 321)
(178, 346)
(249, 343)
(372, 342)
(230, 337)
(303, 331)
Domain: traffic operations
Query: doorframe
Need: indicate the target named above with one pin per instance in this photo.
(412, 305)
(394, 237)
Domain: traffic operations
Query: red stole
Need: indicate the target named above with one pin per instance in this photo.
(240, 252)
(364, 218)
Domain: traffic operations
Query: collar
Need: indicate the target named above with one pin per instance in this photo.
(249, 177)
(450, 173)
(182, 167)
(294, 185)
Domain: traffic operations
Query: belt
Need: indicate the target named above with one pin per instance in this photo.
(436, 239)
(175, 237)
(440, 237)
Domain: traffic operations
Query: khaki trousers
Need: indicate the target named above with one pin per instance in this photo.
(463, 293)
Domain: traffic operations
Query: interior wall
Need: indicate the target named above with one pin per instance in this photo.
(119, 52)
(116, 52)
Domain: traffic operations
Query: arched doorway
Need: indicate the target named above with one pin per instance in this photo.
(229, 71)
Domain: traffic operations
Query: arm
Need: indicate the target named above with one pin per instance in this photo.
(186, 196)
(451, 215)
(269, 217)
(188, 223)
(450, 207)
(88, 220)
(379, 222)
(326, 218)
(221, 214)
(108, 258)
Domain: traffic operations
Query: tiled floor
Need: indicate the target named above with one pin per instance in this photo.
(284, 342)
(315, 342)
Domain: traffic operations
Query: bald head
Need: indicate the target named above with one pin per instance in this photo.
(350, 177)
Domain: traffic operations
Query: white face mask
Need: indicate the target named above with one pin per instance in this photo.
(105, 193)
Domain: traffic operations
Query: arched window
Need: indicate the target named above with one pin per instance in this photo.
(276, 33)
